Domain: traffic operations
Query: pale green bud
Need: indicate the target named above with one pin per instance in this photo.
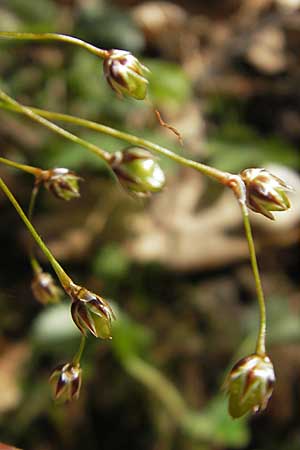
(138, 171)
(265, 192)
(63, 183)
(44, 288)
(90, 312)
(125, 74)
(249, 385)
(66, 382)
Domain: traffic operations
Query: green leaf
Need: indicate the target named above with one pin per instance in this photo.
(235, 147)
(111, 262)
(169, 84)
(54, 325)
(129, 337)
(215, 425)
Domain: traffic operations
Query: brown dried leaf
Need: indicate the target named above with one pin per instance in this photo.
(176, 235)
(7, 447)
(267, 50)
(11, 363)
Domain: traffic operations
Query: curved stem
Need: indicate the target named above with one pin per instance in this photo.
(218, 175)
(78, 355)
(54, 37)
(58, 130)
(63, 277)
(261, 339)
(30, 169)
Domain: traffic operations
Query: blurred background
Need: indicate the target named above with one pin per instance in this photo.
(226, 75)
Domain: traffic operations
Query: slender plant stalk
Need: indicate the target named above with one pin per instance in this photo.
(63, 277)
(54, 37)
(33, 261)
(218, 175)
(78, 355)
(55, 128)
(29, 169)
(32, 201)
(261, 339)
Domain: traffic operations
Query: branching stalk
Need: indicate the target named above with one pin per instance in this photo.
(55, 128)
(33, 261)
(54, 37)
(211, 172)
(29, 169)
(63, 277)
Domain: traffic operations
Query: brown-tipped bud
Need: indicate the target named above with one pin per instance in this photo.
(265, 192)
(63, 183)
(125, 74)
(66, 382)
(249, 385)
(138, 171)
(91, 312)
(44, 288)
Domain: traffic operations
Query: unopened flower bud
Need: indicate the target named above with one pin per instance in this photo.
(63, 183)
(66, 382)
(250, 385)
(125, 74)
(44, 288)
(90, 312)
(265, 192)
(138, 171)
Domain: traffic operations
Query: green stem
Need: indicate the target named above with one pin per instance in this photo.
(32, 201)
(54, 37)
(78, 355)
(63, 277)
(218, 175)
(33, 170)
(16, 106)
(36, 267)
(261, 339)
(33, 261)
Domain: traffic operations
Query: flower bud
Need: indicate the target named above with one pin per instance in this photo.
(138, 171)
(125, 74)
(66, 382)
(90, 312)
(44, 288)
(63, 183)
(265, 192)
(250, 385)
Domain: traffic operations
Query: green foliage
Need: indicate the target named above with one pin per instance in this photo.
(155, 324)
(236, 146)
(169, 85)
(111, 263)
(214, 424)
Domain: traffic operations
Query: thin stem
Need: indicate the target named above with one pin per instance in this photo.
(32, 201)
(78, 355)
(36, 267)
(61, 131)
(30, 169)
(54, 37)
(33, 261)
(63, 277)
(261, 339)
(218, 175)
